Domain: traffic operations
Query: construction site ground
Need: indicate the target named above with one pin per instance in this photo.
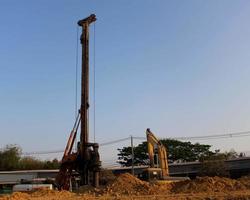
(127, 187)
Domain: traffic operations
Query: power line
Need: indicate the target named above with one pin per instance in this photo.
(206, 137)
(42, 152)
(115, 141)
(61, 151)
(215, 136)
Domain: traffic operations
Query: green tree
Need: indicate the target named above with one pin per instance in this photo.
(9, 157)
(176, 150)
(215, 165)
(54, 164)
(140, 155)
(30, 163)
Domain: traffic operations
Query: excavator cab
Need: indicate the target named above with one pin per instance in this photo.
(151, 174)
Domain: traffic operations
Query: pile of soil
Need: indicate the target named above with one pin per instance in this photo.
(16, 196)
(208, 185)
(128, 187)
(40, 195)
(106, 177)
(127, 184)
(245, 180)
(47, 192)
(160, 189)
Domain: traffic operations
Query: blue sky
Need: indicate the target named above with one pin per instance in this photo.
(179, 67)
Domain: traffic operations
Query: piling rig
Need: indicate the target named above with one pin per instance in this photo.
(86, 160)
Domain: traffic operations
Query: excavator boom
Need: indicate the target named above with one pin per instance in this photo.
(153, 142)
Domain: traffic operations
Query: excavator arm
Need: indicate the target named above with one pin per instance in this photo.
(152, 141)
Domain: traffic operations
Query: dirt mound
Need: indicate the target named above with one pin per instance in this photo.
(129, 187)
(208, 184)
(40, 194)
(245, 180)
(160, 188)
(106, 177)
(16, 196)
(126, 184)
(45, 192)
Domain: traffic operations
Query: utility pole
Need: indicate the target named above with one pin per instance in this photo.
(132, 155)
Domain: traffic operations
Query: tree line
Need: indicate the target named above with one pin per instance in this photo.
(177, 151)
(212, 162)
(11, 159)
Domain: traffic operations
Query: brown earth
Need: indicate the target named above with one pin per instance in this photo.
(210, 184)
(127, 187)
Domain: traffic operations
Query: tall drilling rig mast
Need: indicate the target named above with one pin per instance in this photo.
(91, 156)
(86, 161)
